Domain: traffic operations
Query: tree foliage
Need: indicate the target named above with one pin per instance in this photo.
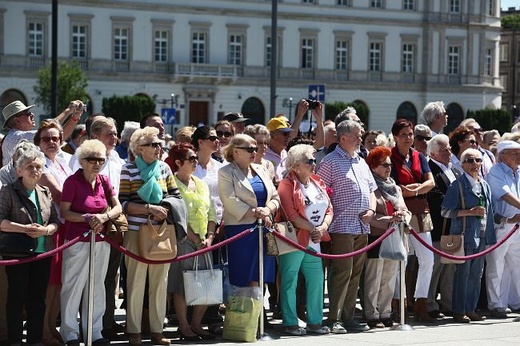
(127, 108)
(511, 21)
(489, 119)
(333, 109)
(71, 85)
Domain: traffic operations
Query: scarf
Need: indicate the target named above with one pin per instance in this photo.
(150, 191)
(388, 189)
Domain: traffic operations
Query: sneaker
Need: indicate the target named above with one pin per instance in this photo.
(354, 326)
(337, 328)
(499, 313)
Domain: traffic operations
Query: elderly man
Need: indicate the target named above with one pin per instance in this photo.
(237, 120)
(439, 151)
(487, 156)
(504, 180)
(422, 134)
(276, 152)
(354, 203)
(329, 139)
(350, 113)
(19, 120)
(435, 116)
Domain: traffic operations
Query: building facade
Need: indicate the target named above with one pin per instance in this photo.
(510, 64)
(215, 55)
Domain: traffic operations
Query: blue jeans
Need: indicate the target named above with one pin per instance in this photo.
(467, 281)
(311, 266)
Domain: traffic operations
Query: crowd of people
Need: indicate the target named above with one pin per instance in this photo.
(340, 185)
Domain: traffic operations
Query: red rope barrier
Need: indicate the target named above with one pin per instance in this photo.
(464, 258)
(43, 255)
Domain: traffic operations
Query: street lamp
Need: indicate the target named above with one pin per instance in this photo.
(173, 100)
(287, 102)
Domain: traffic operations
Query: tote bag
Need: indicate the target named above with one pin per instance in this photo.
(203, 287)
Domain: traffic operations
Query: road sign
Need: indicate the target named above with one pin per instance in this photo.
(317, 92)
(168, 116)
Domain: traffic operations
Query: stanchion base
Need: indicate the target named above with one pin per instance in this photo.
(268, 337)
(402, 328)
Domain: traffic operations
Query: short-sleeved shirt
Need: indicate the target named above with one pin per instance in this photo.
(78, 191)
(11, 140)
(502, 180)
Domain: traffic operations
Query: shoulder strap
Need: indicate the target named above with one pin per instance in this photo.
(463, 204)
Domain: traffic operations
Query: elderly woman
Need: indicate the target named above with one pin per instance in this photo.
(461, 139)
(224, 131)
(49, 138)
(85, 198)
(201, 232)
(468, 204)
(262, 137)
(411, 172)
(144, 184)
(248, 195)
(304, 202)
(8, 173)
(380, 273)
(26, 207)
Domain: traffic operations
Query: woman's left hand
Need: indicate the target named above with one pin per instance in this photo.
(267, 221)
(36, 230)
(96, 222)
(317, 233)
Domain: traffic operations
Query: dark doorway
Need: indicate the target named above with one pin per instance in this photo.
(254, 109)
(198, 112)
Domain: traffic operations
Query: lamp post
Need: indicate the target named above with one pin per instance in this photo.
(172, 99)
(287, 102)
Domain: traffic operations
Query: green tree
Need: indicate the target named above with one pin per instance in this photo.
(127, 108)
(511, 21)
(498, 119)
(71, 85)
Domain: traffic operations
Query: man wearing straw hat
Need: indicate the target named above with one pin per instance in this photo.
(19, 120)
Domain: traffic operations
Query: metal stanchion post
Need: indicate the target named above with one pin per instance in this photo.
(262, 335)
(90, 288)
(402, 325)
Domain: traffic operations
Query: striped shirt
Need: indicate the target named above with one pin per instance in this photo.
(352, 183)
(131, 181)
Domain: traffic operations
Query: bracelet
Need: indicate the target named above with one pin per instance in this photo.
(87, 218)
(373, 211)
(47, 231)
(108, 217)
(147, 206)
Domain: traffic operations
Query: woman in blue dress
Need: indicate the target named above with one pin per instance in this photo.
(248, 195)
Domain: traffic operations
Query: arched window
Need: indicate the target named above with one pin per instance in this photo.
(254, 109)
(455, 116)
(407, 111)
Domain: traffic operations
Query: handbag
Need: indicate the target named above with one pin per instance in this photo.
(242, 313)
(286, 229)
(17, 245)
(392, 247)
(271, 247)
(117, 225)
(453, 244)
(203, 287)
(157, 242)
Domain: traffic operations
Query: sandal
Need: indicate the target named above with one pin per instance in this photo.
(299, 331)
(321, 330)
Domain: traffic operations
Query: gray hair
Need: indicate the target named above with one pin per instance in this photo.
(468, 152)
(297, 154)
(128, 130)
(421, 128)
(140, 136)
(89, 147)
(436, 141)
(257, 129)
(516, 127)
(431, 110)
(346, 126)
(30, 156)
(23, 146)
(486, 137)
(344, 115)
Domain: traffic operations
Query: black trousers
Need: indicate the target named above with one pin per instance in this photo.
(27, 288)
(114, 262)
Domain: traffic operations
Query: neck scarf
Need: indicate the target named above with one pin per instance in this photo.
(151, 191)
(405, 175)
(388, 189)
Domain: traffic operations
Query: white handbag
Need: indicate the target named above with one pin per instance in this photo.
(203, 287)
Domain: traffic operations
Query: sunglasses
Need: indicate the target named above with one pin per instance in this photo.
(473, 160)
(422, 138)
(155, 145)
(249, 149)
(55, 139)
(94, 160)
(212, 138)
(226, 134)
(25, 113)
(471, 141)
(386, 165)
(310, 161)
(192, 159)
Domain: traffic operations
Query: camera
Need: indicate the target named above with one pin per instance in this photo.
(313, 104)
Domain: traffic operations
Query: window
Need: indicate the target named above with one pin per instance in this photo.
(235, 49)
(121, 36)
(268, 51)
(454, 6)
(376, 3)
(491, 7)
(409, 5)
(408, 58)
(503, 82)
(307, 53)
(79, 41)
(504, 52)
(343, 2)
(309, 1)
(269, 45)
(375, 56)
(341, 54)
(198, 48)
(36, 39)
(453, 60)
(488, 67)
(161, 46)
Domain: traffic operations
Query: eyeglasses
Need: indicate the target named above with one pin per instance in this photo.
(155, 145)
(94, 160)
(311, 161)
(473, 160)
(477, 129)
(386, 165)
(422, 138)
(249, 149)
(55, 139)
(471, 141)
(226, 134)
(192, 159)
(212, 138)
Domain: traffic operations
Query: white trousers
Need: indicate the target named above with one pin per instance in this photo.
(505, 256)
(75, 286)
(425, 258)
